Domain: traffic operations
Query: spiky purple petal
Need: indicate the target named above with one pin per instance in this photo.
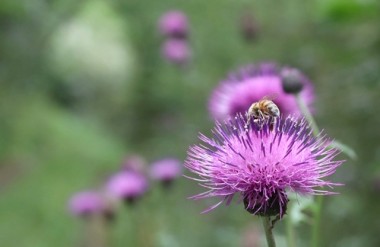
(261, 165)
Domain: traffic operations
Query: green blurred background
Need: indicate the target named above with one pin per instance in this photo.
(83, 84)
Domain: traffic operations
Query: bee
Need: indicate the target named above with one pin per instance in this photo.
(263, 110)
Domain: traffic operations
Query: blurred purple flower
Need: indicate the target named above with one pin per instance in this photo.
(166, 170)
(134, 163)
(252, 83)
(127, 185)
(176, 51)
(86, 203)
(174, 24)
(261, 165)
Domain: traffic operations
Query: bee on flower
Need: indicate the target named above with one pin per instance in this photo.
(260, 165)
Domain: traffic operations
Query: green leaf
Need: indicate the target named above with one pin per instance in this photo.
(298, 208)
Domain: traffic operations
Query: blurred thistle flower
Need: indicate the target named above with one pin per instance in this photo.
(127, 185)
(176, 51)
(87, 203)
(261, 165)
(134, 163)
(248, 27)
(251, 84)
(174, 24)
(166, 170)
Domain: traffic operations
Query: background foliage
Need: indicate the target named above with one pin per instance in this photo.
(83, 84)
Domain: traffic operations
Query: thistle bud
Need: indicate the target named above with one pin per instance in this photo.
(134, 163)
(248, 27)
(292, 81)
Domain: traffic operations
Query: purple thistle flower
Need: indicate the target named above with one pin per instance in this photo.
(174, 24)
(87, 203)
(176, 51)
(166, 170)
(127, 185)
(261, 165)
(252, 83)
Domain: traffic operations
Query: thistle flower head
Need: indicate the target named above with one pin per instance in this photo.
(261, 165)
(127, 185)
(174, 24)
(176, 51)
(252, 83)
(166, 170)
(86, 203)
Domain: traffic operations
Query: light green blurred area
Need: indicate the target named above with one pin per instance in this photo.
(83, 84)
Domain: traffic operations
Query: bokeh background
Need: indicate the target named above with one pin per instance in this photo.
(83, 84)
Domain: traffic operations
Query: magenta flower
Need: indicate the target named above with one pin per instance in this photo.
(262, 165)
(174, 24)
(87, 203)
(237, 93)
(127, 185)
(166, 170)
(176, 51)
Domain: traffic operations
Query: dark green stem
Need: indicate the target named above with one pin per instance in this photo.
(268, 231)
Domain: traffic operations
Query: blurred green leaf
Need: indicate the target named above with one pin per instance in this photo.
(347, 10)
(299, 205)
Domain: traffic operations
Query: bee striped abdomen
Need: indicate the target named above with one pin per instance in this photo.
(263, 110)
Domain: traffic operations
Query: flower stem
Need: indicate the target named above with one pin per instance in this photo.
(317, 213)
(305, 111)
(95, 232)
(268, 231)
(290, 233)
(317, 223)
